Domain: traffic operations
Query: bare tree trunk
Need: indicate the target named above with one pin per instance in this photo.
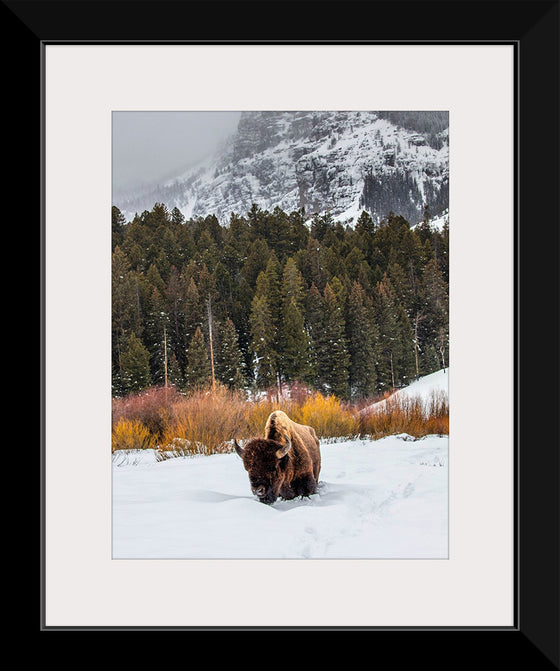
(442, 352)
(417, 319)
(441, 343)
(165, 356)
(278, 388)
(416, 347)
(209, 307)
(392, 371)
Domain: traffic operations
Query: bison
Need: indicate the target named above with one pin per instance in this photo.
(285, 463)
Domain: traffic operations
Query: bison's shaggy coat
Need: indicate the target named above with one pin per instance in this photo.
(285, 463)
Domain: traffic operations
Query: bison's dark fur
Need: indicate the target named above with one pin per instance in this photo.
(285, 463)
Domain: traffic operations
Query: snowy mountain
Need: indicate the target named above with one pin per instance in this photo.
(337, 162)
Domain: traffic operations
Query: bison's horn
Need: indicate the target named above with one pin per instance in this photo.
(283, 451)
(238, 448)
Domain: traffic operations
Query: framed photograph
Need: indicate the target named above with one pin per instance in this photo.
(459, 110)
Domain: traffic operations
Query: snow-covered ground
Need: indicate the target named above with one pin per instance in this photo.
(377, 499)
(426, 389)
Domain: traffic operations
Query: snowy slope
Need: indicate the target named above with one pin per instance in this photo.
(376, 499)
(424, 389)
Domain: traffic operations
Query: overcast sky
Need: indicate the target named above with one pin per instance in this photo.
(153, 146)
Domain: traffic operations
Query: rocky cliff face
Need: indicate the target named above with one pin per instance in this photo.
(340, 162)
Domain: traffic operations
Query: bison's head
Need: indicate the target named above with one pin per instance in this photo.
(265, 461)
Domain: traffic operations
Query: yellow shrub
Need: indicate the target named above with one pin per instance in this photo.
(130, 435)
(327, 416)
(257, 413)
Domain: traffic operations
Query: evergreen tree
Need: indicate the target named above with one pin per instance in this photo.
(269, 285)
(175, 294)
(321, 224)
(118, 222)
(401, 286)
(299, 233)
(363, 337)
(332, 262)
(240, 315)
(193, 311)
(365, 226)
(258, 223)
(198, 371)
(281, 241)
(404, 364)
(154, 279)
(292, 283)
(229, 362)
(311, 266)
(158, 216)
(156, 335)
(126, 311)
(238, 234)
(224, 287)
(135, 366)
(334, 351)
(315, 325)
(174, 375)
(436, 325)
(264, 356)
(268, 288)
(256, 261)
(389, 340)
(176, 217)
(293, 342)
(207, 250)
(442, 254)
(353, 263)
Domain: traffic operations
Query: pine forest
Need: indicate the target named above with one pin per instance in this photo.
(274, 299)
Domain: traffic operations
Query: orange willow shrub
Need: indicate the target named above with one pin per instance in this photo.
(406, 415)
(204, 422)
(131, 435)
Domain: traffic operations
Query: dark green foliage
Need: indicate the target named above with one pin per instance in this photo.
(396, 190)
(334, 356)
(345, 311)
(135, 366)
(293, 341)
(229, 361)
(363, 343)
(263, 339)
(118, 222)
(198, 371)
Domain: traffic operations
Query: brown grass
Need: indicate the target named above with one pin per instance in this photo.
(398, 414)
(206, 421)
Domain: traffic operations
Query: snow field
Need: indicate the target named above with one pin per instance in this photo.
(376, 499)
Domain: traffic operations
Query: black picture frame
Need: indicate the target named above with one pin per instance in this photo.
(532, 28)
